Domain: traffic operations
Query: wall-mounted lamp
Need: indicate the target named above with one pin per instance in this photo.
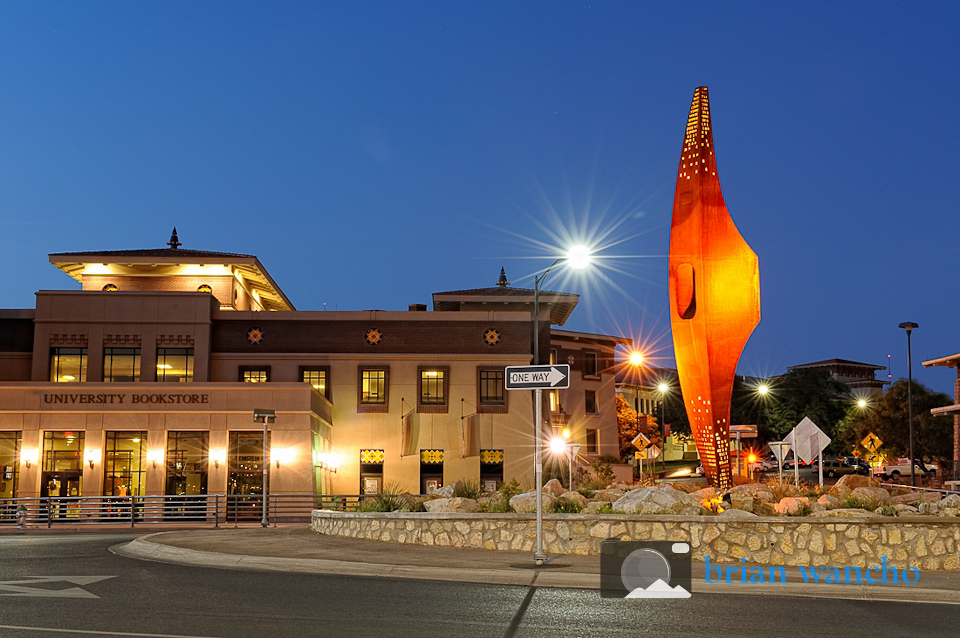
(284, 455)
(155, 456)
(328, 461)
(92, 456)
(218, 456)
(29, 456)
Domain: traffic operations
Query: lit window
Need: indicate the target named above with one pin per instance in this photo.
(204, 288)
(174, 365)
(432, 390)
(254, 375)
(373, 386)
(68, 365)
(110, 288)
(317, 377)
(121, 365)
(554, 398)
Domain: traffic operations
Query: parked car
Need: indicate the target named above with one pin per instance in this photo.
(765, 465)
(862, 466)
(788, 465)
(837, 467)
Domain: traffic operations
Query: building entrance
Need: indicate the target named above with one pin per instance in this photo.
(55, 486)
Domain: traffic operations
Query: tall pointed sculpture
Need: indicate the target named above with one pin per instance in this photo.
(714, 293)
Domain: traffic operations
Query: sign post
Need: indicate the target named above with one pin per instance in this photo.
(537, 378)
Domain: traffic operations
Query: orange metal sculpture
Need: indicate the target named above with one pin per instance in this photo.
(714, 293)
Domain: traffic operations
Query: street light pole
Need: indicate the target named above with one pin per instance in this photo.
(266, 416)
(539, 556)
(578, 257)
(909, 326)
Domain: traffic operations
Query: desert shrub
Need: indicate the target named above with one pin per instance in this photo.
(499, 501)
(802, 510)
(586, 492)
(886, 510)
(780, 489)
(855, 502)
(390, 499)
(468, 489)
(564, 505)
(607, 508)
(602, 471)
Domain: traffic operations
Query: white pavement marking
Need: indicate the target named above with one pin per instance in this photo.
(99, 633)
(19, 588)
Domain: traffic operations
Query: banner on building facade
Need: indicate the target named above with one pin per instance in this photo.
(410, 435)
(470, 435)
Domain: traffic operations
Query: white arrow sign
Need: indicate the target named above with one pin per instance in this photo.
(533, 377)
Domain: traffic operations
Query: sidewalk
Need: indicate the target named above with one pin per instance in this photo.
(298, 549)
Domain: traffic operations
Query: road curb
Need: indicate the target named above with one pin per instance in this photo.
(144, 548)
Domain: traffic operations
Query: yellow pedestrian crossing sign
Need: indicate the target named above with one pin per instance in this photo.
(871, 442)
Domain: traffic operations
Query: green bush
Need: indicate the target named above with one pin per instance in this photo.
(468, 489)
(390, 499)
(565, 505)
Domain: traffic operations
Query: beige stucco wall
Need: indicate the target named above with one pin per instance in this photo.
(301, 413)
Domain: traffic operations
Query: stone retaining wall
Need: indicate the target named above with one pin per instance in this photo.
(921, 542)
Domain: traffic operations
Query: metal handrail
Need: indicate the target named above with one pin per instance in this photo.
(212, 509)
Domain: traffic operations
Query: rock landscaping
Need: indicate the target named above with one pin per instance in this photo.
(856, 522)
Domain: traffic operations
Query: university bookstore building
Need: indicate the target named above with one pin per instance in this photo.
(144, 382)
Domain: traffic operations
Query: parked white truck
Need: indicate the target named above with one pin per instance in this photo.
(902, 468)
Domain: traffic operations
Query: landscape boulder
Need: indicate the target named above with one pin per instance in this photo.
(446, 491)
(576, 497)
(526, 503)
(657, 500)
(704, 494)
(853, 481)
(554, 488)
(872, 494)
(829, 502)
(608, 495)
(456, 505)
(791, 505)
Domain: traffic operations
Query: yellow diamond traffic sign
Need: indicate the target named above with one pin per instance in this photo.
(871, 442)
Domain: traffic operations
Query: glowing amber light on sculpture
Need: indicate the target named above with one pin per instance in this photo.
(714, 282)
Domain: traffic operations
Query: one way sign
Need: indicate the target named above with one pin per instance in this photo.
(533, 377)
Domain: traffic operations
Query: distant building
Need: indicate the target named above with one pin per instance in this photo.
(951, 361)
(859, 377)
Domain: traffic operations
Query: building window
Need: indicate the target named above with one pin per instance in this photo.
(553, 399)
(491, 397)
(590, 364)
(204, 288)
(174, 365)
(590, 401)
(434, 383)
(373, 389)
(110, 288)
(121, 365)
(593, 441)
(245, 465)
(188, 457)
(318, 378)
(68, 365)
(9, 463)
(255, 375)
(123, 467)
(554, 356)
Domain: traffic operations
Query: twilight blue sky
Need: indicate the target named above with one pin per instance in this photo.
(373, 153)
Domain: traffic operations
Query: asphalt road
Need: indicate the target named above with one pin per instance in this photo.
(70, 585)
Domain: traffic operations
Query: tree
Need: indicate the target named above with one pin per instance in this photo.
(803, 393)
(627, 425)
(888, 419)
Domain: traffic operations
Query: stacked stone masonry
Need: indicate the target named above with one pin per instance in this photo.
(921, 542)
